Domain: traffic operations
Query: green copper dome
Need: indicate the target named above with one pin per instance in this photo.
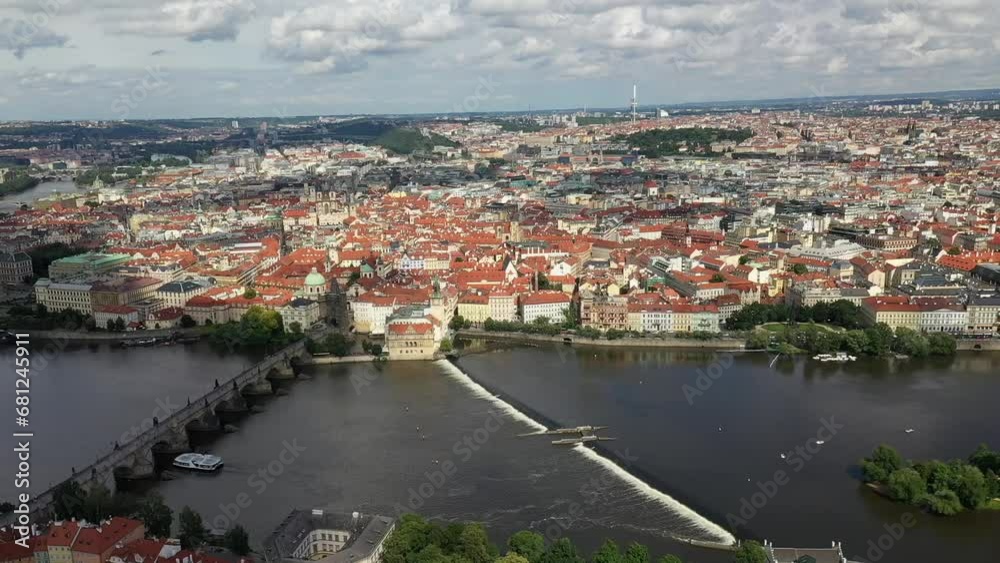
(315, 278)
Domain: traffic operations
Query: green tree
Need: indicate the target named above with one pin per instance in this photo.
(883, 462)
(854, 342)
(607, 553)
(614, 334)
(970, 486)
(155, 515)
(529, 545)
(636, 553)
(337, 344)
(67, 500)
(717, 278)
(800, 269)
(110, 325)
(906, 485)
(431, 553)
(295, 327)
(119, 324)
(943, 502)
(911, 343)
(744, 260)
(250, 293)
(758, 340)
(447, 345)
(562, 551)
(192, 529)
(985, 459)
(512, 557)
(571, 318)
(410, 536)
(750, 552)
(457, 323)
(878, 340)
(941, 344)
(188, 322)
(237, 540)
(954, 251)
(98, 504)
(475, 545)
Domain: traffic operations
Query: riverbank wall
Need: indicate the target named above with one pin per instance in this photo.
(69, 336)
(992, 345)
(329, 360)
(730, 344)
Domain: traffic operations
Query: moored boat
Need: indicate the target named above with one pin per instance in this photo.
(198, 462)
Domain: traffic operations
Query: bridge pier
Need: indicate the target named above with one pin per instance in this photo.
(207, 422)
(282, 370)
(232, 408)
(260, 388)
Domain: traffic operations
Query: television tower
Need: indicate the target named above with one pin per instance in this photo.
(635, 100)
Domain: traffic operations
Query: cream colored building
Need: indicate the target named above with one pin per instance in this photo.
(474, 308)
(57, 296)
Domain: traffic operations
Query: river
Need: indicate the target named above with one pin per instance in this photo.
(373, 438)
(9, 202)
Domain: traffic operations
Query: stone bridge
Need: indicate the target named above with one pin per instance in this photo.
(134, 458)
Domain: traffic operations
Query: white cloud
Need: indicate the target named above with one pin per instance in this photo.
(718, 48)
(194, 20)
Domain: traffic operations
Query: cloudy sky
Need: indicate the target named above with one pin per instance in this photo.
(184, 58)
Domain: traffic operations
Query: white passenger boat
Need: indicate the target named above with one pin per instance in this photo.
(838, 357)
(198, 462)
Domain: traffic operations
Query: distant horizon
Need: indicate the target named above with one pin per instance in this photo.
(183, 59)
(956, 94)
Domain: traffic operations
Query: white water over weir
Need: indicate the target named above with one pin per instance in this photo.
(641, 487)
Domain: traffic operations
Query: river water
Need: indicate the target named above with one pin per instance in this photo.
(10, 202)
(426, 437)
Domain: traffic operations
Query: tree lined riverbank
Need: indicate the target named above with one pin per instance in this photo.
(627, 342)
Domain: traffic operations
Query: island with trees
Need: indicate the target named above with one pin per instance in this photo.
(832, 327)
(942, 488)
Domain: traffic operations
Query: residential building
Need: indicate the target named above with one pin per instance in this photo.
(177, 293)
(552, 305)
(56, 296)
(984, 314)
(892, 310)
(15, 267)
(474, 308)
(503, 305)
(319, 536)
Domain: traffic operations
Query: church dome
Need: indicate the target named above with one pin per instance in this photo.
(315, 279)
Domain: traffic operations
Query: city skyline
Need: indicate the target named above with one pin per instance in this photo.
(200, 58)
